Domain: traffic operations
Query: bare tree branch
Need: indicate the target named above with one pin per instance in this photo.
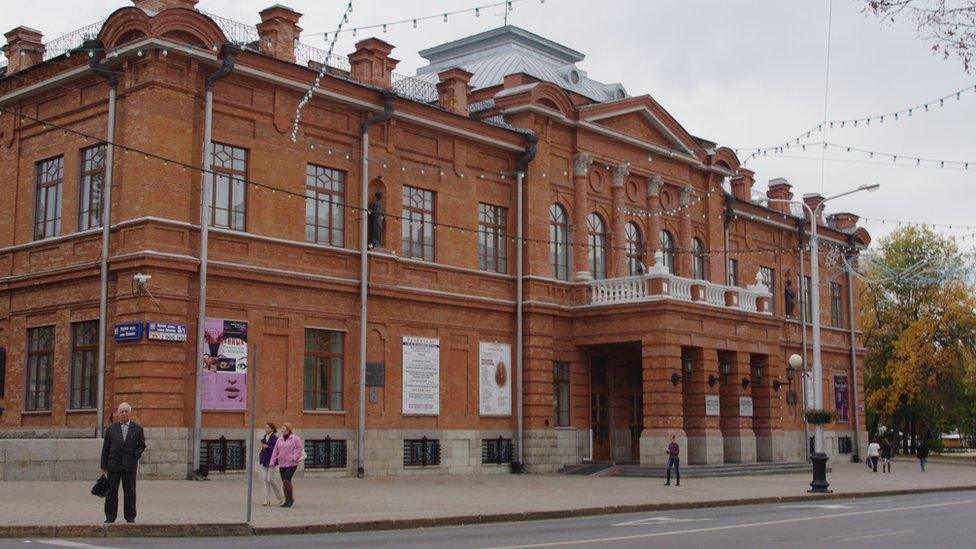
(949, 25)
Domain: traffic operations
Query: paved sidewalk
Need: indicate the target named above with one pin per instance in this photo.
(66, 508)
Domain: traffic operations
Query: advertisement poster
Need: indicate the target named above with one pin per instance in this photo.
(808, 388)
(421, 376)
(225, 364)
(745, 406)
(841, 402)
(495, 379)
(713, 405)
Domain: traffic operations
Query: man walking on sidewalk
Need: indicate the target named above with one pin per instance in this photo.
(124, 444)
(673, 461)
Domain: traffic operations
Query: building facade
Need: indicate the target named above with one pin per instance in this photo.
(656, 295)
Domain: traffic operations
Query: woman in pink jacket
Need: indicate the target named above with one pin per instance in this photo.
(286, 455)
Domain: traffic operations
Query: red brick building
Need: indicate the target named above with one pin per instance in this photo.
(653, 286)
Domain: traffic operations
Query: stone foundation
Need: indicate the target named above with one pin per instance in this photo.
(654, 445)
(706, 448)
(769, 446)
(740, 447)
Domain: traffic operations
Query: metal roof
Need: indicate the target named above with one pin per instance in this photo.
(492, 55)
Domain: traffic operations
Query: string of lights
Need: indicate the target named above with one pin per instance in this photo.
(920, 224)
(318, 76)
(415, 21)
(273, 190)
(917, 160)
(893, 116)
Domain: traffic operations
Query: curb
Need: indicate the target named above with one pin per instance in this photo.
(244, 529)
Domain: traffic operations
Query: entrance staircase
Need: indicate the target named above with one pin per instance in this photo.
(607, 469)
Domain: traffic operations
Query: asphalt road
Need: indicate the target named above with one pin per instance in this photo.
(933, 520)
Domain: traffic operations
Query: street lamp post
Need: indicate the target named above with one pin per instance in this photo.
(819, 458)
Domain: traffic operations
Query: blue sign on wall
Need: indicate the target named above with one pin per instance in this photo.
(162, 331)
(131, 331)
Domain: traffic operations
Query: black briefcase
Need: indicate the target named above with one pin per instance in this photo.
(100, 488)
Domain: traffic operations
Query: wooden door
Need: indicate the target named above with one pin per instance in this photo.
(636, 423)
(600, 411)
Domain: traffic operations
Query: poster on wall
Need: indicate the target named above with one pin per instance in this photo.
(745, 406)
(841, 402)
(225, 364)
(808, 389)
(713, 405)
(421, 376)
(495, 379)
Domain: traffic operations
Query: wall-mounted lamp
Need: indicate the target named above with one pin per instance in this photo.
(777, 384)
(757, 372)
(745, 383)
(795, 362)
(712, 380)
(688, 366)
(725, 367)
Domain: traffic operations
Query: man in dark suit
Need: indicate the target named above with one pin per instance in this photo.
(124, 444)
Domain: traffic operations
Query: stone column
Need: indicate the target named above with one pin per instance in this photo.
(705, 444)
(738, 438)
(768, 421)
(581, 183)
(684, 238)
(617, 238)
(653, 221)
(663, 406)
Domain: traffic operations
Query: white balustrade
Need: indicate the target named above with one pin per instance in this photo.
(681, 288)
(619, 290)
(747, 301)
(715, 294)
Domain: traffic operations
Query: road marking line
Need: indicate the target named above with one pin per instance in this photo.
(828, 506)
(658, 520)
(878, 535)
(738, 526)
(66, 543)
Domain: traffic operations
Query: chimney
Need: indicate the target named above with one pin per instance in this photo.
(813, 200)
(278, 32)
(779, 189)
(371, 63)
(844, 222)
(160, 5)
(453, 89)
(24, 49)
(742, 185)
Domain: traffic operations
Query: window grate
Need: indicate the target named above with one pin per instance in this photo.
(844, 445)
(421, 452)
(325, 454)
(222, 455)
(496, 450)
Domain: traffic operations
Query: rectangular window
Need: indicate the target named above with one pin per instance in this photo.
(421, 452)
(223, 454)
(229, 199)
(324, 201)
(92, 182)
(560, 393)
(807, 300)
(325, 454)
(733, 275)
(496, 450)
(418, 223)
(767, 275)
(492, 246)
(84, 364)
(836, 307)
(47, 198)
(323, 369)
(40, 367)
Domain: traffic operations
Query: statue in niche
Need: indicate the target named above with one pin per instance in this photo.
(377, 220)
(789, 298)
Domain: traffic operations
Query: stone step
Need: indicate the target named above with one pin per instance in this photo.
(704, 471)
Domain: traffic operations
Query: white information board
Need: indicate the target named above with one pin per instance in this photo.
(421, 376)
(745, 406)
(713, 405)
(495, 379)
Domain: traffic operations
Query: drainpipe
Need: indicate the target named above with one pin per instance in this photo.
(803, 330)
(96, 65)
(229, 52)
(521, 165)
(729, 212)
(389, 100)
(850, 315)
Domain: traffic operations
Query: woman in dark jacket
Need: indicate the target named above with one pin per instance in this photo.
(922, 452)
(268, 475)
(886, 452)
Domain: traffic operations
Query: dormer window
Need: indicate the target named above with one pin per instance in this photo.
(574, 76)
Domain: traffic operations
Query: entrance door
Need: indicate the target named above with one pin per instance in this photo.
(600, 410)
(636, 424)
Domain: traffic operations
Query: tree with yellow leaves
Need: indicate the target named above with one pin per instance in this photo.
(920, 335)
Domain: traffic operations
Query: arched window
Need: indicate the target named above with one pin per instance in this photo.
(558, 242)
(634, 248)
(596, 235)
(667, 249)
(699, 259)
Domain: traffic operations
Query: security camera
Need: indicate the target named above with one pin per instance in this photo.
(141, 280)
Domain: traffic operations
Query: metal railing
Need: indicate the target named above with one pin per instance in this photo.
(414, 88)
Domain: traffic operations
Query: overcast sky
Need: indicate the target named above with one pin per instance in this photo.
(743, 73)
